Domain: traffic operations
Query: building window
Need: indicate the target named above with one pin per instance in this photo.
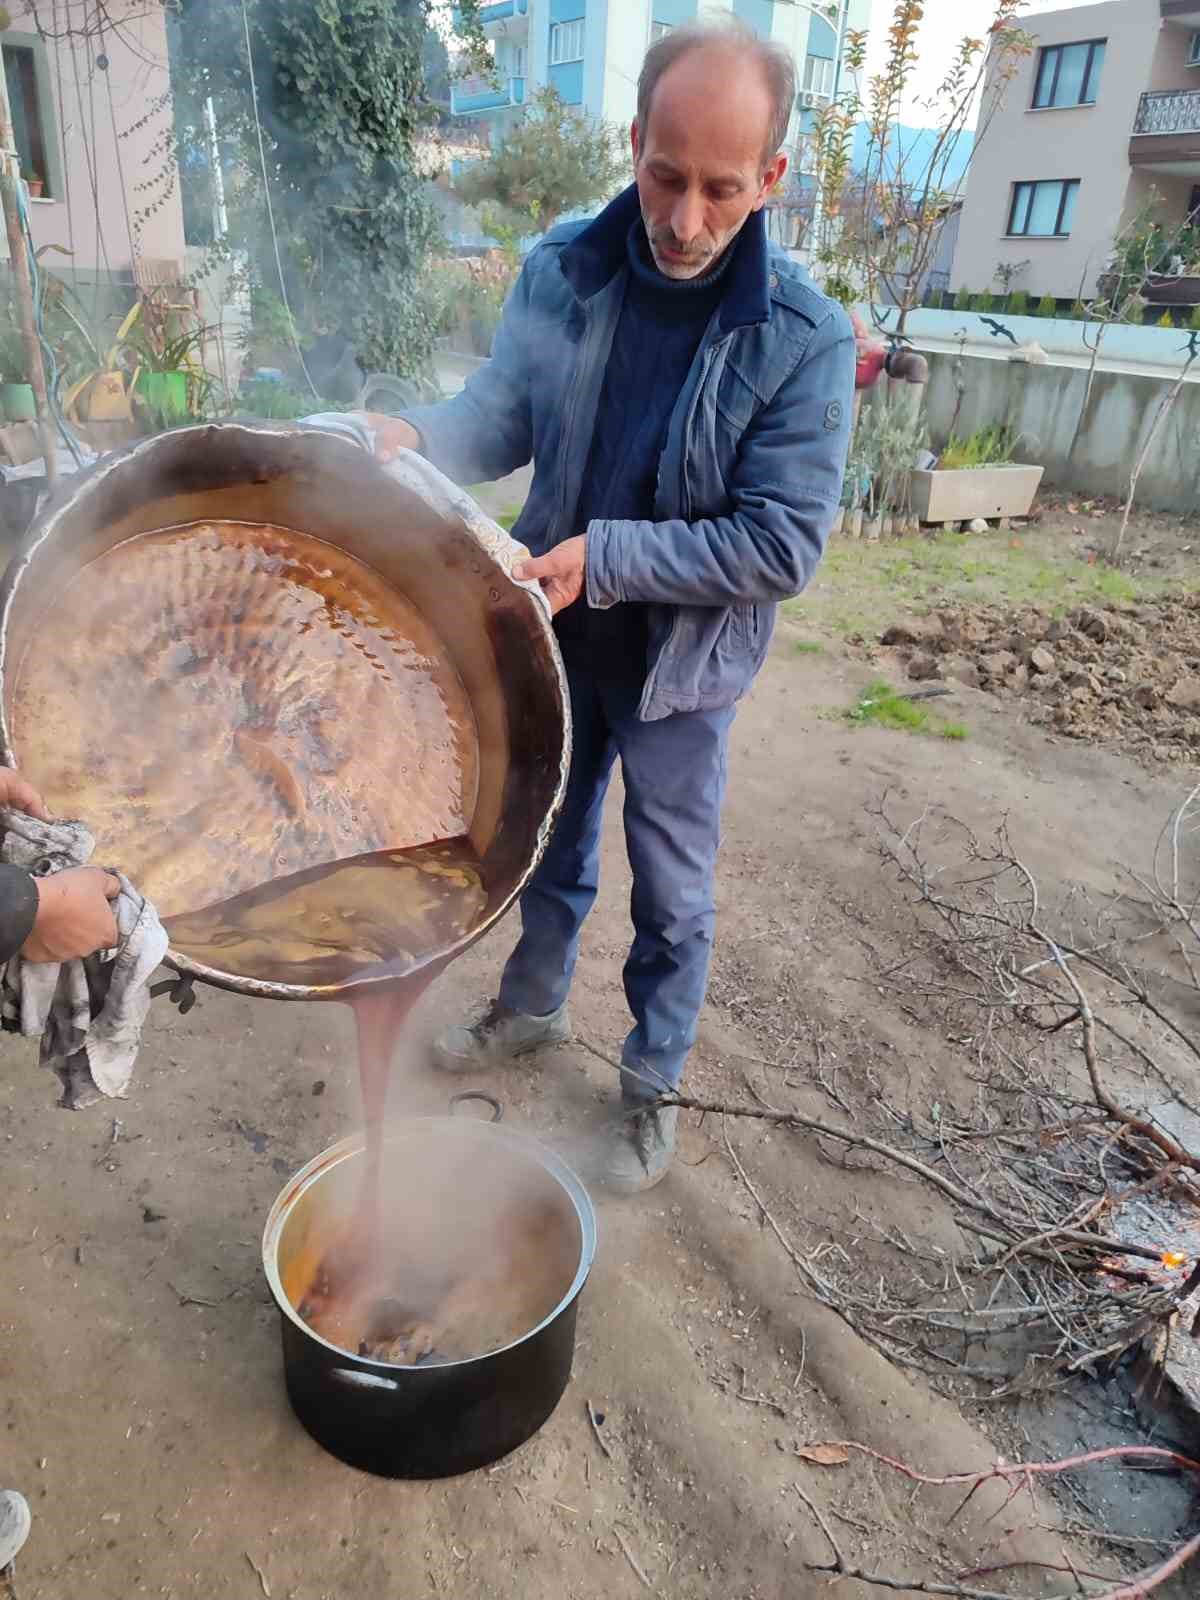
(1194, 52)
(818, 75)
(1194, 206)
(1069, 74)
(566, 42)
(28, 112)
(660, 30)
(516, 60)
(1043, 210)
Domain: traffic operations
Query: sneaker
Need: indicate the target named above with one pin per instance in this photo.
(641, 1149)
(499, 1035)
(15, 1523)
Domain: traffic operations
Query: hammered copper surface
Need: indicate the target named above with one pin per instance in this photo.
(227, 703)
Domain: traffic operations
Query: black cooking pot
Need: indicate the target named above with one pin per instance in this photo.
(465, 1202)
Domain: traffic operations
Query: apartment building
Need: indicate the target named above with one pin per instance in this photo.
(1105, 110)
(591, 52)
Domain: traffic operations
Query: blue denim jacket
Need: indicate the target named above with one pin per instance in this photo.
(750, 475)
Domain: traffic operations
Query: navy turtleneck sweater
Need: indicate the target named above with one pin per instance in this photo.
(660, 327)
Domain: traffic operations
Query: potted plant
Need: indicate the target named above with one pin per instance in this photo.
(16, 393)
(35, 183)
(169, 377)
(976, 477)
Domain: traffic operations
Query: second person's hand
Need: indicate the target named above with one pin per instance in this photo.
(74, 918)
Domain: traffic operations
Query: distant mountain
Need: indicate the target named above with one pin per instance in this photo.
(911, 151)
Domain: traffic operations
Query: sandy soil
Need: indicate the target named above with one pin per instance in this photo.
(140, 1377)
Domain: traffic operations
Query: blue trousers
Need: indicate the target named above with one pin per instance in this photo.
(674, 774)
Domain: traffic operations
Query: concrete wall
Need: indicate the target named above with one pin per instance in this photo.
(1141, 347)
(1090, 143)
(1045, 404)
(92, 170)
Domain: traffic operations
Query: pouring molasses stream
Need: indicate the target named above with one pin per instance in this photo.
(329, 740)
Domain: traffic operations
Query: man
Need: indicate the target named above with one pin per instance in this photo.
(685, 396)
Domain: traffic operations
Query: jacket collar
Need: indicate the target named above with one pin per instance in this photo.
(594, 257)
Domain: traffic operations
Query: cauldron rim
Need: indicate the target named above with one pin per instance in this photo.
(353, 1145)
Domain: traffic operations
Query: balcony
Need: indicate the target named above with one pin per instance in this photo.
(1166, 132)
(478, 94)
(1181, 13)
(511, 11)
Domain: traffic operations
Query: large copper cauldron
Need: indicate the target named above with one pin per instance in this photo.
(241, 652)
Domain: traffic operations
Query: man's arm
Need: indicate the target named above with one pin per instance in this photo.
(785, 492)
(486, 431)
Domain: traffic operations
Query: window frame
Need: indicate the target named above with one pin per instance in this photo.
(1089, 72)
(558, 30)
(660, 30)
(1065, 185)
(46, 109)
(1194, 51)
(825, 89)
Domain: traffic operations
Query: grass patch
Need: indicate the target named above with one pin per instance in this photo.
(881, 704)
(808, 647)
(507, 518)
(861, 586)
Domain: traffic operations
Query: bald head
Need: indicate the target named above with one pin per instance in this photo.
(740, 47)
(706, 142)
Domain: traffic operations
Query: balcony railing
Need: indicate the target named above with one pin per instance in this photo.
(1168, 111)
(477, 94)
(497, 11)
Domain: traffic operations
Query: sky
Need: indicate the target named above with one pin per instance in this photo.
(945, 23)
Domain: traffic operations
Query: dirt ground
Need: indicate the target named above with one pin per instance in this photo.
(140, 1377)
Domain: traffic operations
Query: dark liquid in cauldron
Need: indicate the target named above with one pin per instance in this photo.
(386, 911)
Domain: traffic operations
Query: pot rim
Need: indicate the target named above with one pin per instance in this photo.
(353, 1145)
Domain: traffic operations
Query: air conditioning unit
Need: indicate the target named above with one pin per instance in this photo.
(1194, 53)
(810, 100)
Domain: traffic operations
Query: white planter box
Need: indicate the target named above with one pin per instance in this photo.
(962, 493)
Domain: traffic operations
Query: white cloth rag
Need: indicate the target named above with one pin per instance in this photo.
(88, 1013)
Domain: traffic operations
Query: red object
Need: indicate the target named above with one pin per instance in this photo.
(872, 353)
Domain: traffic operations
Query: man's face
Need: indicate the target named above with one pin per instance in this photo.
(699, 161)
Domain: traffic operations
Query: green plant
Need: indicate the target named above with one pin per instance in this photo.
(274, 401)
(808, 647)
(991, 446)
(887, 438)
(1194, 319)
(1166, 320)
(553, 160)
(962, 300)
(343, 106)
(12, 350)
(1018, 303)
(1047, 306)
(982, 302)
(879, 703)
(1079, 311)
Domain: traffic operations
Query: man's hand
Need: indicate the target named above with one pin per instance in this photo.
(74, 918)
(21, 796)
(392, 434)
(560, 572)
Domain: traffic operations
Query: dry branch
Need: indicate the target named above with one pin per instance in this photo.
(1018, 1475)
